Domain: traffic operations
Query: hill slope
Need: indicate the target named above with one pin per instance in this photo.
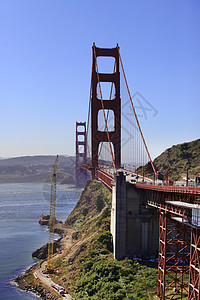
(177, 158)
(87, 269)
(36, 169)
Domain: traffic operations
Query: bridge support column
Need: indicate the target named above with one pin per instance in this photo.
(118, 216)
(134, 228)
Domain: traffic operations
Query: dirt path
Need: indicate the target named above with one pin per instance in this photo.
(69, 252)
(45, 278)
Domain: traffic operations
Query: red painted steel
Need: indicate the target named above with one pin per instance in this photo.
(114, 105)
(174, 253)
(179, 239)
(162, 254)
(81, 154)
(174, 238)
(171, 189)
(194, 279)
(106, 178)
(102, 105)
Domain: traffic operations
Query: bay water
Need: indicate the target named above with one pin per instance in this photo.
(20, 233)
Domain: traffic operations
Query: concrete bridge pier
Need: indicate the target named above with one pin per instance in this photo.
(118, 216)
(135, 228)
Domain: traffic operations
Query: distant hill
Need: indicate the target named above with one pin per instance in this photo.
(36, 169)
(178, 158)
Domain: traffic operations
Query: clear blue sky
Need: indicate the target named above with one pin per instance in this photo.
(45, 68)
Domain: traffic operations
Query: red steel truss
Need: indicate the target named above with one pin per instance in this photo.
(174, 253)
(194, 279)
(179, 239)
(179, 246)
(162, 254)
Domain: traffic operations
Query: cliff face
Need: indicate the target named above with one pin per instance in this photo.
(44, 220)
(42, 252)
(59, 228)
(86, 266)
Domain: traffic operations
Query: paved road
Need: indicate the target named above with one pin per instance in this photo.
(45, 278)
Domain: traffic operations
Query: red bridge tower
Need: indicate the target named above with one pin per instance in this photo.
(81, 154)
(114, 105)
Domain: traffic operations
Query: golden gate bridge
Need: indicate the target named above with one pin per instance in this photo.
(112, 134)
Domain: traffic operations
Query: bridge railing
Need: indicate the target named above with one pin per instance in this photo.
(106, 178)
(105, 172)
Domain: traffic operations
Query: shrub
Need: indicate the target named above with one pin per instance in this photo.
(106, 239)
(100, 202)
(105, 214)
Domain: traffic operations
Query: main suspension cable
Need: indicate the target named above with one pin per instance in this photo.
(104, 111)
(135, 112)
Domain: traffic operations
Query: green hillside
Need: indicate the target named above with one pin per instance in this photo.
(87, 269)
(178, 158)
(36, 169)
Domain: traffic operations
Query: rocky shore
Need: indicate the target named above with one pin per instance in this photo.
(42, 252)
(59, 228)
(23, 283)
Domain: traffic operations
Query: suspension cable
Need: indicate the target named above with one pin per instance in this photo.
(135, 112)
(104, 111)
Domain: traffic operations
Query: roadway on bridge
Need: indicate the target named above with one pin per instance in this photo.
(136, 178)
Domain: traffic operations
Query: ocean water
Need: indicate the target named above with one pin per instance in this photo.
(20, 233)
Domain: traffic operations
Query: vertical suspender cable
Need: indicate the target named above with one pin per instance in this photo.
(135, 112)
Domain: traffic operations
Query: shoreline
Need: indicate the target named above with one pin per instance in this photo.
(17, 284)
(36, 290)
(21, 282)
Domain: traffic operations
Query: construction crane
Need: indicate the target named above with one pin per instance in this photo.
(52, 216)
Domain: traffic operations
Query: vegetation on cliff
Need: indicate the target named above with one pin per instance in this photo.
(87, 268)
(178, 158)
